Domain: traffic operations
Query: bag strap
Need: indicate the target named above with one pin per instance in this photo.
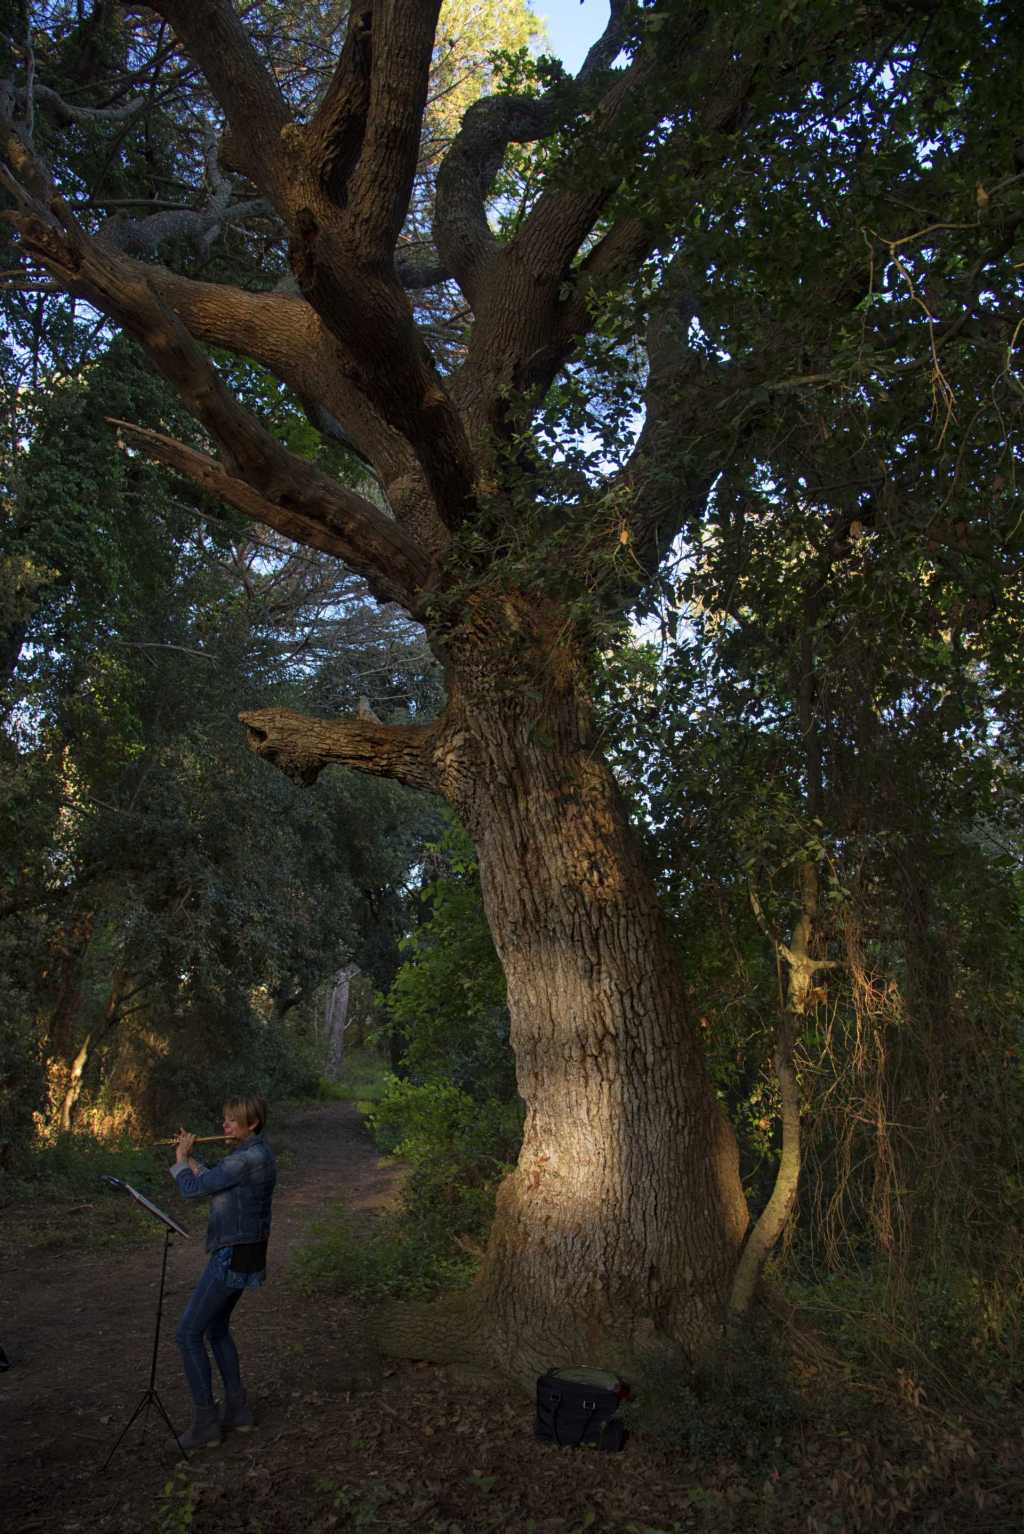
(583, 1429)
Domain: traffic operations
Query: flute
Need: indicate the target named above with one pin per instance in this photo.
(202, 1140)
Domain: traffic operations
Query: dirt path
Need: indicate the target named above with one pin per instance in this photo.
(78, 1331)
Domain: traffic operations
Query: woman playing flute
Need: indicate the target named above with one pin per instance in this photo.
(241, 1188)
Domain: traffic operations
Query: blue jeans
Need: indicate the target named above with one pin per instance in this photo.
(208, 1314)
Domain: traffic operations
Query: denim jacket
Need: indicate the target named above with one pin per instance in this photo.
(241, 1188)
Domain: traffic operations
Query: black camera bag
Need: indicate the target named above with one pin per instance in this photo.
(576, 1406)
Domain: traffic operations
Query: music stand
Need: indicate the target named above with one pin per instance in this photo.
(150, 1394)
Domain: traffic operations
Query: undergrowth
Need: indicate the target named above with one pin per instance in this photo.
(958, 1335)
(58, 1200)
(363, 1080)
(71, 1164)
(743, 1406)
(371, 1264)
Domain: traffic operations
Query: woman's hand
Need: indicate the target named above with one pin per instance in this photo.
(184, 1144)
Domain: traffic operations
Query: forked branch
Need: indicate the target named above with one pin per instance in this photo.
(461, 228)
(401, 50)
(334, 138)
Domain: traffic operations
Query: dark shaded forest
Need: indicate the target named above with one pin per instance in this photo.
(512, 614)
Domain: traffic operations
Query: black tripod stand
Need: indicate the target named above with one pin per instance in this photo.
(150, 1395)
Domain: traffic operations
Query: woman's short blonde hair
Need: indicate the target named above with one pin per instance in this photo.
(250, 1110)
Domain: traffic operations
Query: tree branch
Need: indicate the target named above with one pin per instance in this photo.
(401, 48)
(803, 964)
(416, 272)
(334, 138)
(284, 334)
(64, 113)
(530, 276)
(200, 226)
(302, 747)
(312, 509)
(464, 238)
(602, 54)
(214, 37)
(165, 311)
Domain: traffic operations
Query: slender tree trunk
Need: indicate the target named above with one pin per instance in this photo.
(73, 1090)
(622, 1221)
(76, 938)
(336, 1019)
(801, 967)
(95, 1037)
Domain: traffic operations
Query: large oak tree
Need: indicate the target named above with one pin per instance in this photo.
(624, 1219)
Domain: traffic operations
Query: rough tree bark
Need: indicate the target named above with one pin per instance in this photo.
(624, 1217)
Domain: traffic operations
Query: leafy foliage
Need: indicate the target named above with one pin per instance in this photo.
(447, 1000)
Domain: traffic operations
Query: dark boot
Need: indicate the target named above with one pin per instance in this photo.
(236, 1413)
(204, 1429)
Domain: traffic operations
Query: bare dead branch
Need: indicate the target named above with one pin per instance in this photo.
(200, 226)
(17, 153)
(64, 113)
(302, 747)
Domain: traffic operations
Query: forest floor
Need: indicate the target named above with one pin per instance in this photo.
(349, 1441)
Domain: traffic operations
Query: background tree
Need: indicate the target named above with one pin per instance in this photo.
(161, 898)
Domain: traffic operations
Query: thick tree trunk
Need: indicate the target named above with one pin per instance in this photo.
(620, 1227)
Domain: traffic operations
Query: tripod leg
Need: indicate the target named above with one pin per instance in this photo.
(143, 1402)
(159, 1311)
(156, 1334)
(170, 1424)
(150, 1394)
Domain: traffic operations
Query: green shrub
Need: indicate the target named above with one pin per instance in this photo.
(240, 1054)
(434, 1122)
(363, 1079)
(958, 1336)
(458, 1150)
(72, 1164)
(452, 1114)
(448, 1000)
(370, 1264)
